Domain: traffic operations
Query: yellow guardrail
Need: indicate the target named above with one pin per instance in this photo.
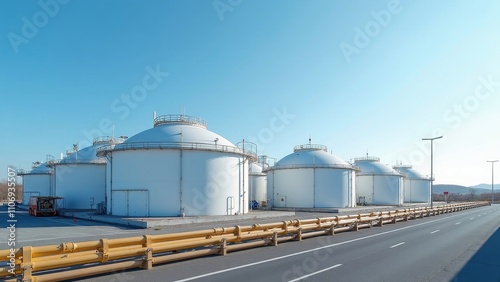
(148, 250)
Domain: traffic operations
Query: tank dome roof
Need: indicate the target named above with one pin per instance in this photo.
(37, 168)
(409, 172)
(311, 155)
(371, 165)
(179, 128)
(89, 154)
(181, 132)
(42, 169)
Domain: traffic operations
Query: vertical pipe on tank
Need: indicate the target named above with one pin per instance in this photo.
(349, 188)
(181, 211)
(314, 183)
(243, 186)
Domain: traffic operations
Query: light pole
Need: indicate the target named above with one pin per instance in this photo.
(432, 172)
(492, 177)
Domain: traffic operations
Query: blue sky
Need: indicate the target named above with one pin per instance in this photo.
(271, 72)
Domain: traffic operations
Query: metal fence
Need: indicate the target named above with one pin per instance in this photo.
(71, 260)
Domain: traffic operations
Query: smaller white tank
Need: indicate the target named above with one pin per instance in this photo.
(417, 186)
(80, 177)
(37, 182)
(378, 184)
(258, 186)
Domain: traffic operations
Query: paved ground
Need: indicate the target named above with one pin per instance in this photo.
(461, 246)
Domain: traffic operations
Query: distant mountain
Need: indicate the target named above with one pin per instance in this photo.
(487, 186)
(457, 189)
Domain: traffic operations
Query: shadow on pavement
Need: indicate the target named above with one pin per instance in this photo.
(485, 264)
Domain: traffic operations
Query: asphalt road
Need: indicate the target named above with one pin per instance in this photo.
(461, 246)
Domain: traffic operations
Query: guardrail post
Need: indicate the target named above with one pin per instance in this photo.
(104, 250)
(223, 247)
(237, 232)
(332, 229)
(27, 264)
(298, 237)
(148, 259)
(274, 242)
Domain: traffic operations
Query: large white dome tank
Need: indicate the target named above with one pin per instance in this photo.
(80, 177)
(37, 182)
(310, 177)
(378, 184)
(178, 168)
(417, 186)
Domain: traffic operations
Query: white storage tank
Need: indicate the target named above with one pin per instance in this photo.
(178, 168)
(80, 177)
(417, 186)
(37, 182)
(310, 177)
(258, 185)
(378, 184)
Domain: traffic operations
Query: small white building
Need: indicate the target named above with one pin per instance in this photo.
(80, 177)
(37, 182)
(178, 168)
(417, 186)
(378, 184)
(310, 177)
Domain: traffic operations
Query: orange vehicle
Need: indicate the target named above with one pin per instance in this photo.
(43, 205)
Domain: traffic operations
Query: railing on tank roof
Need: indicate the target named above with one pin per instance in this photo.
(53, 163)
(310, 147)
(402, 166)
(103, 150)
(21, 171)
(249, 148)
(108, 140)
(182, 119)
(295, 166)
(367, 158)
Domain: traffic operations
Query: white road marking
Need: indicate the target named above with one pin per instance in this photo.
(457, 223)
(471, 218)
(314, 273)
(394, 246)
(310, 250)
(434, 231)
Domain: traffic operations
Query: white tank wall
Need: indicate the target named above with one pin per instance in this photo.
(198, 183)
(292, 188)
(77, 183)
(417, 190)
(380, 189)
(258, 187)
(36, 185)
(311, 188)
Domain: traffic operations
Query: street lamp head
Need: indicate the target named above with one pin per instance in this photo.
(434, 138)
